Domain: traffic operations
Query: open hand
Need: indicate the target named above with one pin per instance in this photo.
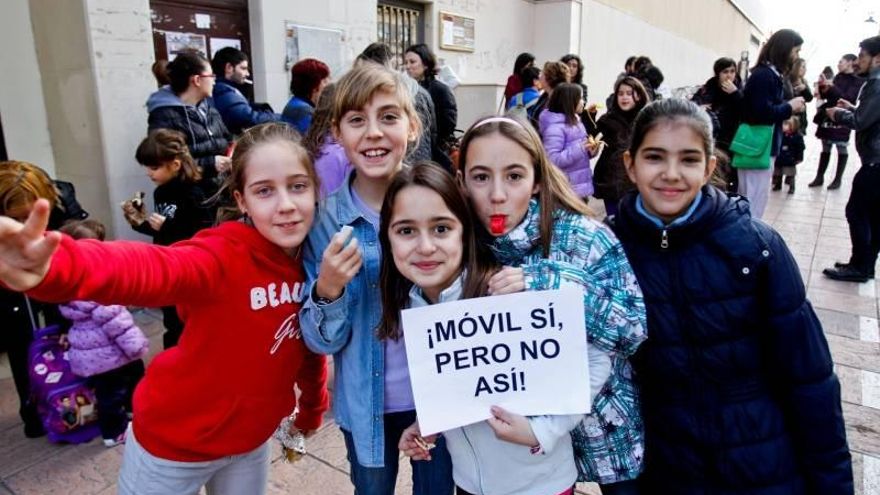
(841, 103)
(797, 104)
(511, 427)
(339, 264)
(507, 281)
(26, 249)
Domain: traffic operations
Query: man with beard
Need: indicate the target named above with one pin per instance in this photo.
(863, 207)
(231, 66)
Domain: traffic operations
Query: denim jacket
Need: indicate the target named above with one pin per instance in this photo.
(609, 442)
(346, 328)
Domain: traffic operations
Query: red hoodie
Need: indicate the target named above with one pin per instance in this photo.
(229, 382)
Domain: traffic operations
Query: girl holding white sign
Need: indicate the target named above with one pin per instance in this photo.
(428, 229)
(532, 219)
(374, 121)
(737, 384)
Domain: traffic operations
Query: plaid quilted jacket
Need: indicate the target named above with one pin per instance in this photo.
(609, 443)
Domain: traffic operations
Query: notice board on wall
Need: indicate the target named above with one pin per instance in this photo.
(312, 42)
(456, 32)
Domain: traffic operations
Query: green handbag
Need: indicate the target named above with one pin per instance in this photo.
(751, 146)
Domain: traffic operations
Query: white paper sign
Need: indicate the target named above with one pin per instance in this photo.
(176, 43)
(525, 352)
(203, 21)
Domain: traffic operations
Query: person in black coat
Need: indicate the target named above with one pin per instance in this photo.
(764, 104)
(181, 205)
(421, 65)
(738, 393)
(610, 182)
(185, 106)
(845, 85)
(21, 184)
(722, 95)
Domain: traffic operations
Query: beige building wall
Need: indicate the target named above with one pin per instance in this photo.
(504, 29)
(683, 49)
(356, 18)
(22, 107)
(94, 58)
(75, 101)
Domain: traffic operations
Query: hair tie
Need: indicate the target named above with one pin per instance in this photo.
(18, 178)
(498, 119)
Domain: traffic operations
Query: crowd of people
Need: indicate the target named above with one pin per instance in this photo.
(280, 239)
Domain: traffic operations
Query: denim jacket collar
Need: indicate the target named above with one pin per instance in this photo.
(347, 211)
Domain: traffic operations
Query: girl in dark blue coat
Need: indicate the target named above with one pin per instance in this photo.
(738, 392)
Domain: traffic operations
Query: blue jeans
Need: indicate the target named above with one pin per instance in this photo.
(432, 477)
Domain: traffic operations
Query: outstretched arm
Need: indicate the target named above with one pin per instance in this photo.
(55, 268)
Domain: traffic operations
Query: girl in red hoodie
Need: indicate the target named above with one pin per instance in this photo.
(205, 410)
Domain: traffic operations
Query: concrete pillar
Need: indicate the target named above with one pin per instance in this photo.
(564, 16)
(22, 108)
(95, 58)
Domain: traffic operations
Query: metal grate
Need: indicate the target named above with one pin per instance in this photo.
(399, 27)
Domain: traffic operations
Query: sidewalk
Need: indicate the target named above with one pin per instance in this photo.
(812, 223)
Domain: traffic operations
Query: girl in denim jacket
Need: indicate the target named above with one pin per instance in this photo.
(373, 120)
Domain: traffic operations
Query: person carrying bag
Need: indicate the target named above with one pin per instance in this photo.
(751, 146)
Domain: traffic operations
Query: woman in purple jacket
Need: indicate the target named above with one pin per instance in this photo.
(565, 137)
(105, 346)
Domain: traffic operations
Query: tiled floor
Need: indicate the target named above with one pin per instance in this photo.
(812, 223)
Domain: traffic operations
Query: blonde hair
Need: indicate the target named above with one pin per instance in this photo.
(22, 184)
(245, 144)
(556, 73)
(554, 189)
(358, 86)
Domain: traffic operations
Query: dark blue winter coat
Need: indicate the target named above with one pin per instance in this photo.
(736, 381)
(298, 113)
(764, 103)
(236, 111)
(206, 135)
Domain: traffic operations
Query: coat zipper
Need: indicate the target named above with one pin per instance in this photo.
(664, 240)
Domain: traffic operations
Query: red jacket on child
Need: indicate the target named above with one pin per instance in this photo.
(228, 383)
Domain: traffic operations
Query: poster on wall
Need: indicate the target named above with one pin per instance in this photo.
(218, 44)
(312, 42)
(457, 32)
(176, 42)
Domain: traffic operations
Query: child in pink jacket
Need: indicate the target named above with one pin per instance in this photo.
(105, 346)
(565, 137)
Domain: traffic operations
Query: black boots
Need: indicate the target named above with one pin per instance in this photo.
(824, 158)
(841, 165)
(777, 182)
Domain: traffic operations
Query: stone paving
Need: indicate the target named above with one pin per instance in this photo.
(812, 222)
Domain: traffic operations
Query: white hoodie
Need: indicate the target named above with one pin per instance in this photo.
(484, 465)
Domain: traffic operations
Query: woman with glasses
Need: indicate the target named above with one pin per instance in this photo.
(184, 105)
